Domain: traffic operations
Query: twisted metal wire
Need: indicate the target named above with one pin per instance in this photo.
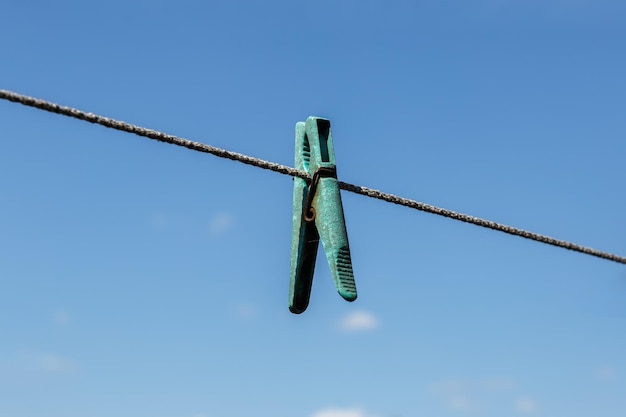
(285, 170)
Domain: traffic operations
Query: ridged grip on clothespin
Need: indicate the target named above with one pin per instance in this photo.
(318, 214)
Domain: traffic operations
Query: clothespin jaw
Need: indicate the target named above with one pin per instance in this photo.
(317, 214)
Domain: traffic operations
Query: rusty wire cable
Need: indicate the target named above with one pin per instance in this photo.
(283, 169)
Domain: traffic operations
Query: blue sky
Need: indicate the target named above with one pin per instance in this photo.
(139, 279)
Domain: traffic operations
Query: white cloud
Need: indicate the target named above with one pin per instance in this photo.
(53, 363)
(449, 386)
(358, 321)
(340, 412)
(462, 403)
(605, 373)
(497, 384)
(525, 405)
(246, 311)
(465, 395)
(61, 318)
(486, 385)
(220, 224)
(29, 362)
(159, 221)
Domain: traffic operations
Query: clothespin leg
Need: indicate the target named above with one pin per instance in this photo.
(304, 237)
(329, 217)
(334, 236)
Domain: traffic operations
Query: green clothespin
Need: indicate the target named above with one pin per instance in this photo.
(317, 213)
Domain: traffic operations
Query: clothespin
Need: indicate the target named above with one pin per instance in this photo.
(317, 214)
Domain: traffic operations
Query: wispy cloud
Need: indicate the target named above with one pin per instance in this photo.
(341, 412)
(220, 223)
(526, 405)
(485, 385)
(457, 395)
(41, 362)
(159, 221)
(463, 403)
(246, 311)
(605, 373)
(61, 318)
(359, 321)
(50, 362)
(464, 395)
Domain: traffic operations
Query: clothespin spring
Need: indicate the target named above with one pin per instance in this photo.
(308, 213)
